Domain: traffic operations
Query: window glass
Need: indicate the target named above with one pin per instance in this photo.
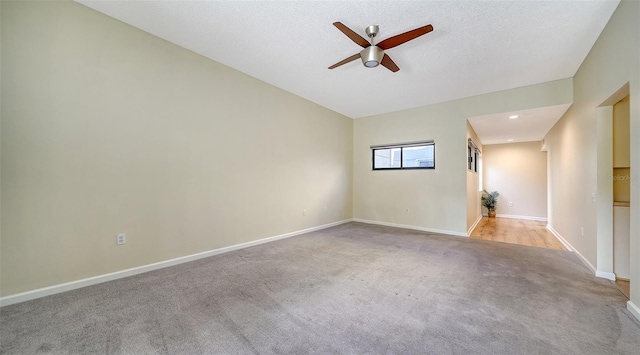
(412, 156)
(387, 158)
(417, 157)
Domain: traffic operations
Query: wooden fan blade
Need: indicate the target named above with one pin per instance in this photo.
(389, 64)
(345, 61)
(404, 37)
(352, 35)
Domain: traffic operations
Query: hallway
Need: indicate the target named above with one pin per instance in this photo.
(516, 231)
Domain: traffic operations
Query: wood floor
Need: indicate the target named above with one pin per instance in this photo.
(624, 287)
(516, 231)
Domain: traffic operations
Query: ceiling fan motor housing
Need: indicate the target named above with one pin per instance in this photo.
(371, 56)
(372, 31)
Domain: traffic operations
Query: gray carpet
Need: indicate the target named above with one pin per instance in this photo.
(354, 288)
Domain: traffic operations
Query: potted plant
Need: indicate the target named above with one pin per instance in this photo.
(489, 200)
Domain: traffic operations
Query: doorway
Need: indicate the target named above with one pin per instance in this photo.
(621, 176)
(613, 190)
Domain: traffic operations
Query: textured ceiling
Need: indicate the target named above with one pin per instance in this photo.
(476, 46)
(531, 125)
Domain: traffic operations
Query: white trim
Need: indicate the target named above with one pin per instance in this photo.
(528, 218)
(633, 309)
(602, 274)
(598, 273)
(68, 286)
(474, 225)
(606, 275)
(563, 241)
(418, 228)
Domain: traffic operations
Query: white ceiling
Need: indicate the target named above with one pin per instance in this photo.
(476, 46)
(531, 125)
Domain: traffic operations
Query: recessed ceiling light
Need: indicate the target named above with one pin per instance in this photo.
(513, 117)
(510, 140)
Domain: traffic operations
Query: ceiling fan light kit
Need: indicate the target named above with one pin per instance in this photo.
(373, 55)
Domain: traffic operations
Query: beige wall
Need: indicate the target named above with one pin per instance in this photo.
(107, 129)
(474, 194)
(613, 62)
(518, 171)
(435, 199)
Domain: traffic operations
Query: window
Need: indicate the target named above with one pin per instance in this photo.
(473, 156)
(417, 155)
(479, 162)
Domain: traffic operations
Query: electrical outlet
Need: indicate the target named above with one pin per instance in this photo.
(304, 213)
(582, 231)
(121, 239)
(510, 204)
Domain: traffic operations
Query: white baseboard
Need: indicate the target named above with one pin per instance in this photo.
(598, 273)
(562, 240)
(52, 290)
(474, 225)
(528, 218)
(606, 275)
(633, 309)
(418, 228)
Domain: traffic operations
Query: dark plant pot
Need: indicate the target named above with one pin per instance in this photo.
(492, 214)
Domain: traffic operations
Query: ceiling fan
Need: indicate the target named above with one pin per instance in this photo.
(373, 54)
